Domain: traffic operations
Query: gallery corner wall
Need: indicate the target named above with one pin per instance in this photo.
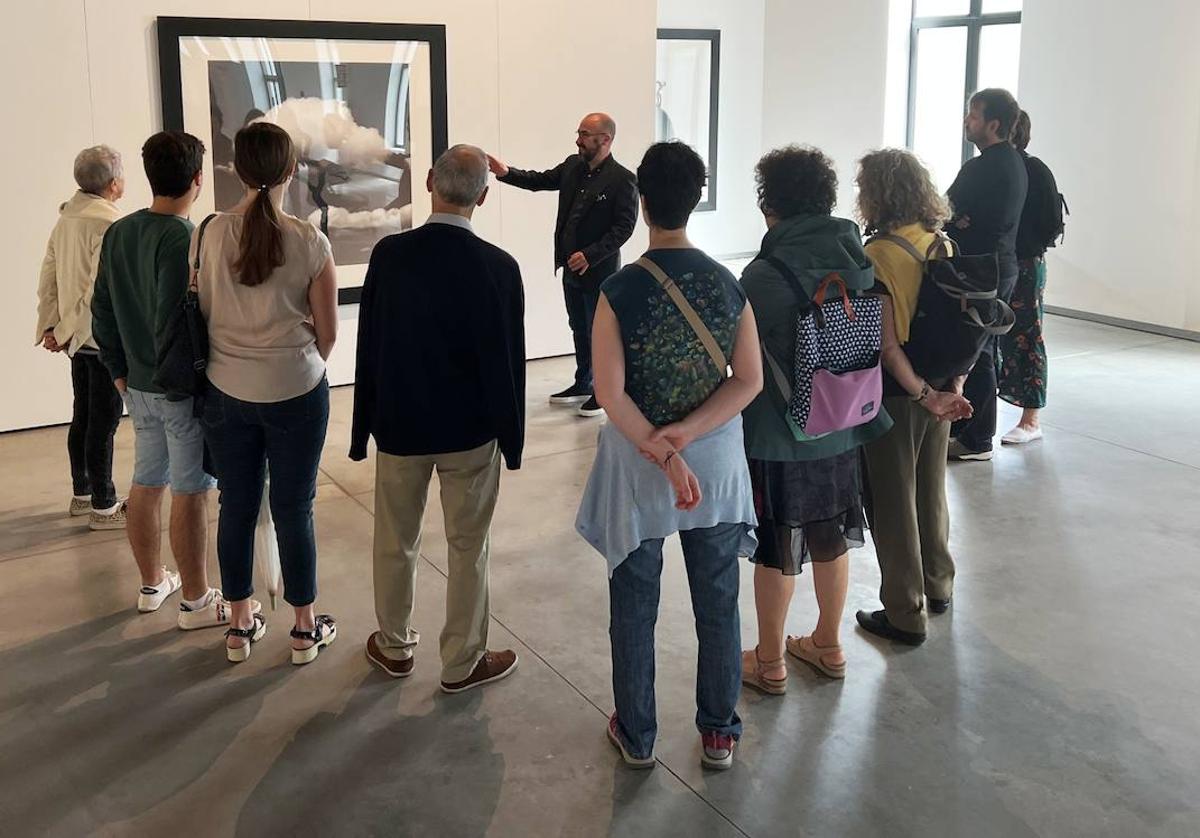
(518, 81)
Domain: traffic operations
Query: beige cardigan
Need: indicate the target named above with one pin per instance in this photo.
(69, 270)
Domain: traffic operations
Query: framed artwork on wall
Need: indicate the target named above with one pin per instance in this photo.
(687, 84)
(364, 103)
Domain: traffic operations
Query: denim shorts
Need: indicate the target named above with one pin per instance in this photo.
(168, 444)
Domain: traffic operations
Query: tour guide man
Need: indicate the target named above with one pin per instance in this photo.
(597, 211)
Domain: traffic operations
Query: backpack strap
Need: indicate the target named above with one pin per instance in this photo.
(689, 313)
(901, 242)
(777, 373)
(790, 276)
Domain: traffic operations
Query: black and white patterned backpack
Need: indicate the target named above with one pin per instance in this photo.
(836, 381)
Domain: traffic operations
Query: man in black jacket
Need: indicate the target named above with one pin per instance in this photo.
(597, 211)
(987, 198)
(440, 383)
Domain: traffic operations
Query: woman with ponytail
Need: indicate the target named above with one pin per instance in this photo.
(269, 295)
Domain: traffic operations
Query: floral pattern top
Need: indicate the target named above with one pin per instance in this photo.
(668, 372)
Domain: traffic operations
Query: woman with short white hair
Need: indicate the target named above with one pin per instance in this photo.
(65, 325)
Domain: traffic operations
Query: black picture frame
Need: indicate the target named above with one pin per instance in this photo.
(713, 36)
(171, 29)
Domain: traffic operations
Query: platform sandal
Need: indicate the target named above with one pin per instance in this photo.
(323, 633)
(252, 635)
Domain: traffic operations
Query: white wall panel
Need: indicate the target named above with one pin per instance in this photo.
(826, 70)
(49, 119)
(1119, 124)
(559, 61)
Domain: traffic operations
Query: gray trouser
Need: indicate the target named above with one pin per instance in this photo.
(911, 523)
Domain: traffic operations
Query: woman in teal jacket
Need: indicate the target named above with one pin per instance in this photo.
(807, 494)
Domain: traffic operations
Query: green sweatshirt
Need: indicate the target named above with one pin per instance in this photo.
(811, 245)
(141, 281)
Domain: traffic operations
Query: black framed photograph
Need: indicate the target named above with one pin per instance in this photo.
(687, 83)
(364, 103)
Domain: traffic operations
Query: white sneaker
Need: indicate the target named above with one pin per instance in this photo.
(150, 598)
(1020, 436)
(215, 613)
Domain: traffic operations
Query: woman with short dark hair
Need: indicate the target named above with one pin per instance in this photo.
(670, 459)
(807, 493)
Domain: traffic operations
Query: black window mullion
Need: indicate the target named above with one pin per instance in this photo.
(974, 33)
(974, 21)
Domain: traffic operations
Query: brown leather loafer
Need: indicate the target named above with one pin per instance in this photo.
(493, 666)
(395, 668)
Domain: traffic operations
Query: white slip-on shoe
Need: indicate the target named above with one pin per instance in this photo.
(151, 598)
(1020, 436)
(114, 520)
(215, 613)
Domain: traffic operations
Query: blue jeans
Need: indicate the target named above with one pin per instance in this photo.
(247, 438)
(710, 556)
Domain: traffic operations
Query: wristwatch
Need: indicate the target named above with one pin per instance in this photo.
(920, 397)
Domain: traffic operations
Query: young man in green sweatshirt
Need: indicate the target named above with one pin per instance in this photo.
(141, 281)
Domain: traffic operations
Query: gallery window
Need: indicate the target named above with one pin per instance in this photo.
(956, 47)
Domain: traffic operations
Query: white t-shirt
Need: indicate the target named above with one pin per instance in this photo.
(262, 343)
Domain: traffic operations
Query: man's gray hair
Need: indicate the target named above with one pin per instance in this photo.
(97, 167)
(460, 175)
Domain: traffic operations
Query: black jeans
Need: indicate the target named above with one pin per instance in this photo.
(94, 418)
(582, 296)
(980, 389)
(247, 438)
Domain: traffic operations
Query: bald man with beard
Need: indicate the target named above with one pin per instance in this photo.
(597, 211)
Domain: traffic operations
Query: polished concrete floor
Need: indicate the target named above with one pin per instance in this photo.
(1059, 697)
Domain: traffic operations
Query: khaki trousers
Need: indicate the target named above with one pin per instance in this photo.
(470, 481)
(911, 524)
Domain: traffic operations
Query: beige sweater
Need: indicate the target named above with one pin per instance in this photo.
(69, 270)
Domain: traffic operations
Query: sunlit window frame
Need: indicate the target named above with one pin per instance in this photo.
(974, 21)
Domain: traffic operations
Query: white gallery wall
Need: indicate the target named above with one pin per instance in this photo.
(825, 67)
(520, 74)
(1113, 92)
(736, 226)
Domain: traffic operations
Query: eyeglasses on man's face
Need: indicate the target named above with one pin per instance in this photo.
(585, 135)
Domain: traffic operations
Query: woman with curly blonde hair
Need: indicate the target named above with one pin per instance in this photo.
(906, 468)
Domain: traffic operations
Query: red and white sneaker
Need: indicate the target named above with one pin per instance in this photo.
(717, 750)
(614, 736)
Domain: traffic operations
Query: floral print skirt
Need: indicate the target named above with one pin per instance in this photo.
(1021, 366)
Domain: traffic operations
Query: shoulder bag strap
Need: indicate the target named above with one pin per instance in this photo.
(689, 313)
(195, 277)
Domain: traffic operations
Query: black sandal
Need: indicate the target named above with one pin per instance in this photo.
(323, 633)
(252, 635)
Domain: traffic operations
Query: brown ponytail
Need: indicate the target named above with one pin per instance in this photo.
(264, 157)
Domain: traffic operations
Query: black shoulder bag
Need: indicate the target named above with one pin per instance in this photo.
(183, 356)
